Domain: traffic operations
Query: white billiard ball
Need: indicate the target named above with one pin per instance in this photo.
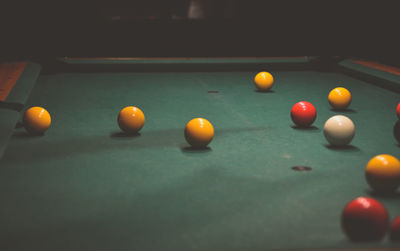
(339, 130)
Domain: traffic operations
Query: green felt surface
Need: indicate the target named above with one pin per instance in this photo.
(8, 120)
(85, 186)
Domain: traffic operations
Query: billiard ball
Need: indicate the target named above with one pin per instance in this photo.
(303, 114)
(396, 131)
(364, 219)
(395, 230)
(199, 132)
(383, 173)
(264, 81)
(36, 120)
(339, 98)
(398, 110)
(131, 119)
(339, 130)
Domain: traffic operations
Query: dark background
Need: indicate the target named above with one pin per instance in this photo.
(226, 28)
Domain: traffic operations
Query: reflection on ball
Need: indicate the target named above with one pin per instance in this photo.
(264, 81)
(339, 130)
(36, 120)
(199, 132)
(383, 173)
(131, 119)
(339, 98)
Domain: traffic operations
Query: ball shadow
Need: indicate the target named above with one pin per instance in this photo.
(11, 106)
(346, 148)
(191, 149)
(19, 124)
(269, 91)
(305, 128)
(301, 168)
(119, 135)
(366, 240)
(388, 195)
(345, 110)
(25, 135)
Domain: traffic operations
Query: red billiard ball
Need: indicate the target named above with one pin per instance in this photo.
(303, 114)
(365, 219)
(395, 230)
(398, 110)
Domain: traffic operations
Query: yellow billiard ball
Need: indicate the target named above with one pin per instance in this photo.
(199, 132)
(131, 119)
(339, 98)
(264, 81)
(383, 173)
(36, 120)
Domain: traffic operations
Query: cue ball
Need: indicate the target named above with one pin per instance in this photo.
(365, 219)
(383, 173)
(395, 230)
(131, 119)
(264, 81)
(36, 120)
(339, 130)
(339, 98)
(199, 132)
(303, 114)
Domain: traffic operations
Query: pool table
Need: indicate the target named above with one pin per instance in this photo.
(85, 185)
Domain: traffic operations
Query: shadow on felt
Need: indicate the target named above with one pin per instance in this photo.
(268, 91)
(305, 128)
(387, 195)
(345, 110)
(26, 135)
(191, 149)
(345, 148)
(120, 134)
